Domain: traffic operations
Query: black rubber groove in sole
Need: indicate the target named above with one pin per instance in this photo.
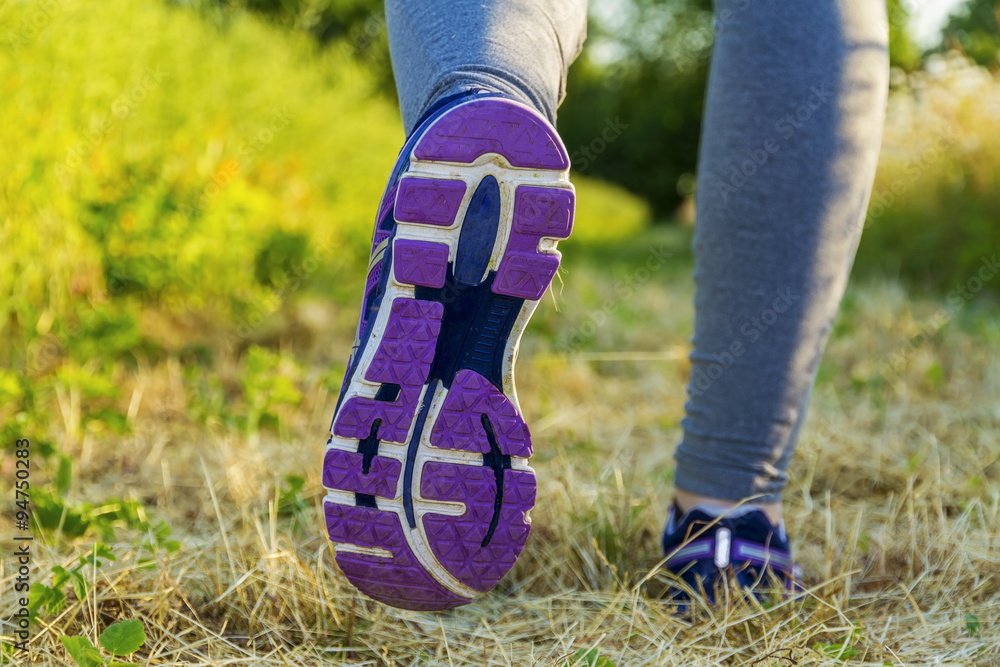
(388, 392)
(475, 328)
(498, 462)
(368, 447)
(411, 453)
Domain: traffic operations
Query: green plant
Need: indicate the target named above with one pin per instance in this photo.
(52, 598)
(7, 653)
(973, 625)
(591, 658)
(290, 503)
(843, 650)
(118, 639)
(52, 512)
(267, 385)
(837, 651)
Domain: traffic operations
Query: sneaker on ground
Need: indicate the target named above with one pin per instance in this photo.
(426, 470)
(734, 553)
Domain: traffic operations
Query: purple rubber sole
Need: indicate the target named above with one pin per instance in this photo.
(438, 464)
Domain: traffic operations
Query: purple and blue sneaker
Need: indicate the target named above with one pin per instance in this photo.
(426, 470)
(741, 550)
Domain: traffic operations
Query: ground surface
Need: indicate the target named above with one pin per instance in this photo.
(893, 506)
(186, 201)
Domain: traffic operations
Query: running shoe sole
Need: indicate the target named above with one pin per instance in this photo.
(426, 469)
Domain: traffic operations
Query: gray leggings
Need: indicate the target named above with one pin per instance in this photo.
(790, 140)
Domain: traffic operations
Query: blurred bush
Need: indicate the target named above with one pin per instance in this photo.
(903, 50)
(154, 159)
(355, 27)
(975, 30)
(159, 159)
(212, 166)
(645, 68)
(636, 97)
(607, 212)
(933, 217)
(633, 115)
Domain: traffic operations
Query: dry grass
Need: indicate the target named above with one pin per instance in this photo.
(893, 507)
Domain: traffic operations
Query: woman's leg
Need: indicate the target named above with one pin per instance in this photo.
(518, 47)
(789, 146)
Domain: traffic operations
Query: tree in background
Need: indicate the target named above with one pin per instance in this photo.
(355, 25)
(643, 72)
(637, 91)
(903, 51)
(975, 30)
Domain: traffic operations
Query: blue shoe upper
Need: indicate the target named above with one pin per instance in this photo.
(743, 548)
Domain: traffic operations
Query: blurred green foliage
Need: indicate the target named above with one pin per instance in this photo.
(278, 257)
(637, 89)
(933, 215)
(268, 381)
(138, 176)
(355, 27)
(643, 69)
(903, 51)
(177, 168)
(172, 189)
(975, 29)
